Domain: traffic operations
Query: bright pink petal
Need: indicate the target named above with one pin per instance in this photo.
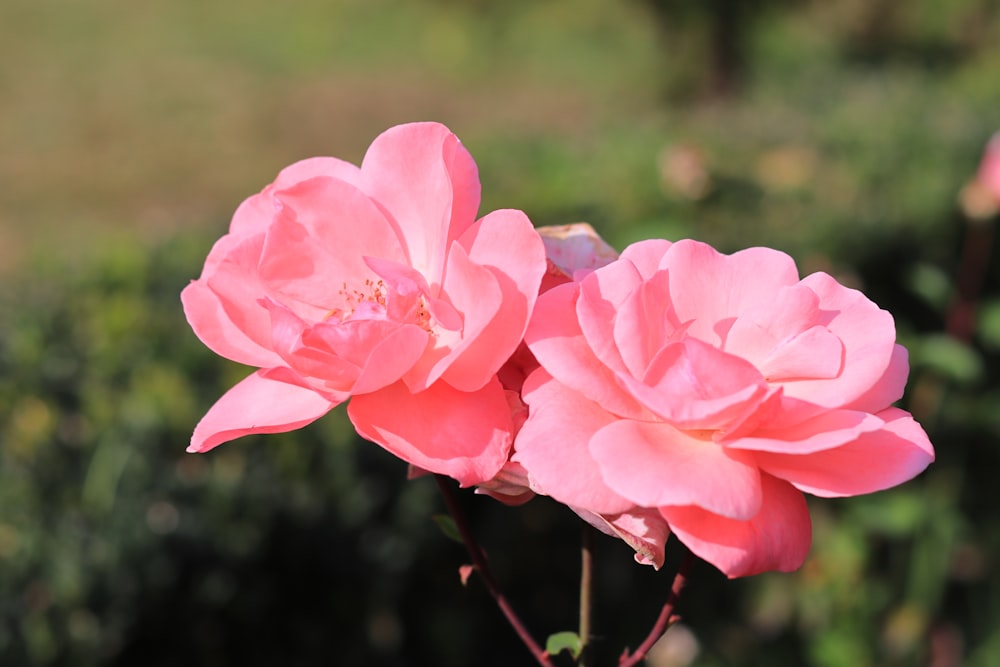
(693, 385)
(258, 404)
(644, 324)
(784, 339)
(555, 338)
(427, 181)
(471, 291)
(205, 313)
(602, 294)
(873, 461)
(316, 247)
(465, 435)
(505, 243)
(232, 322)
(711, 289)
(889, 388)
(647, 255)
(825, 431)
(654, 464)
(776, 538)
(552, 446)
(869, 338)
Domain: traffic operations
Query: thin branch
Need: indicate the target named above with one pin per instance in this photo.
(479, 561)
(666, 618)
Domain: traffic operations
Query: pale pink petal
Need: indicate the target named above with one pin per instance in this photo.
(473, 292)
(643, 529)
(711, 289)
(825, 431)
(693, 385)
(889, 388)
(258, 404)
(206, 315)
(784, 340)
(647, 255)
(316, 247)
(869, 338)
(465, 435)
(552, 446)
(777, 538)
(555, 338)
(654, 464)
(602, 294)
(230, 275)
(427, 181)
(645, 323)
(383, 350)
(506, 243)
(314, 167)
(873, 461)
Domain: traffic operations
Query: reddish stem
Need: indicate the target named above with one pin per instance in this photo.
(666, 617)
(479, 561)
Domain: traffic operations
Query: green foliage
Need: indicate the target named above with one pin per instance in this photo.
(564, 641)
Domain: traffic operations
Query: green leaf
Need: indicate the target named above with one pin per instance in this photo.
(564, 641)
(448, 527)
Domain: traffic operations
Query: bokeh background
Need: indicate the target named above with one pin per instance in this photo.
(840, 131)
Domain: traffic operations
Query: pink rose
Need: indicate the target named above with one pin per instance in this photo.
(988, 176)
(714, 390)
(376, 283)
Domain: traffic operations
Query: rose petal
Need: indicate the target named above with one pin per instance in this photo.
(427, 181)
(552, 446)
(258, 404)
(824, 431)
(873, 461)
(776, 538)
(654, 464)
(711, 289)
(506, 243)
(693, 385)
(465, 435)
(557, 341)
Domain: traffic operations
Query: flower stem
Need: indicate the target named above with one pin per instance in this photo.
(479, 561)
(586, 587)
(666, 618)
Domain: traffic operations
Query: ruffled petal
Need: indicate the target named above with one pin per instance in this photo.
(555, 338)
(465, 435)
(427, 181)
(868, 335)
(824, 431)
(505, 243)
(693, 385)
(711, 289)
(258, 404)
(875, 460)
(552, 446)
(654, 464)
(776, 538)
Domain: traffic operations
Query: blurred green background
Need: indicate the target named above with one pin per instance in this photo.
(839, 131)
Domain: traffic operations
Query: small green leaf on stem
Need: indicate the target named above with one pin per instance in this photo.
(564, 641)
(448, 527)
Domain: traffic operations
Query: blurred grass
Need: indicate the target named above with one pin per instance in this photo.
(129, 133)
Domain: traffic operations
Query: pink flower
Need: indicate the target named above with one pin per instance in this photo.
(711, 391)
(376, 283)
(988, 176)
